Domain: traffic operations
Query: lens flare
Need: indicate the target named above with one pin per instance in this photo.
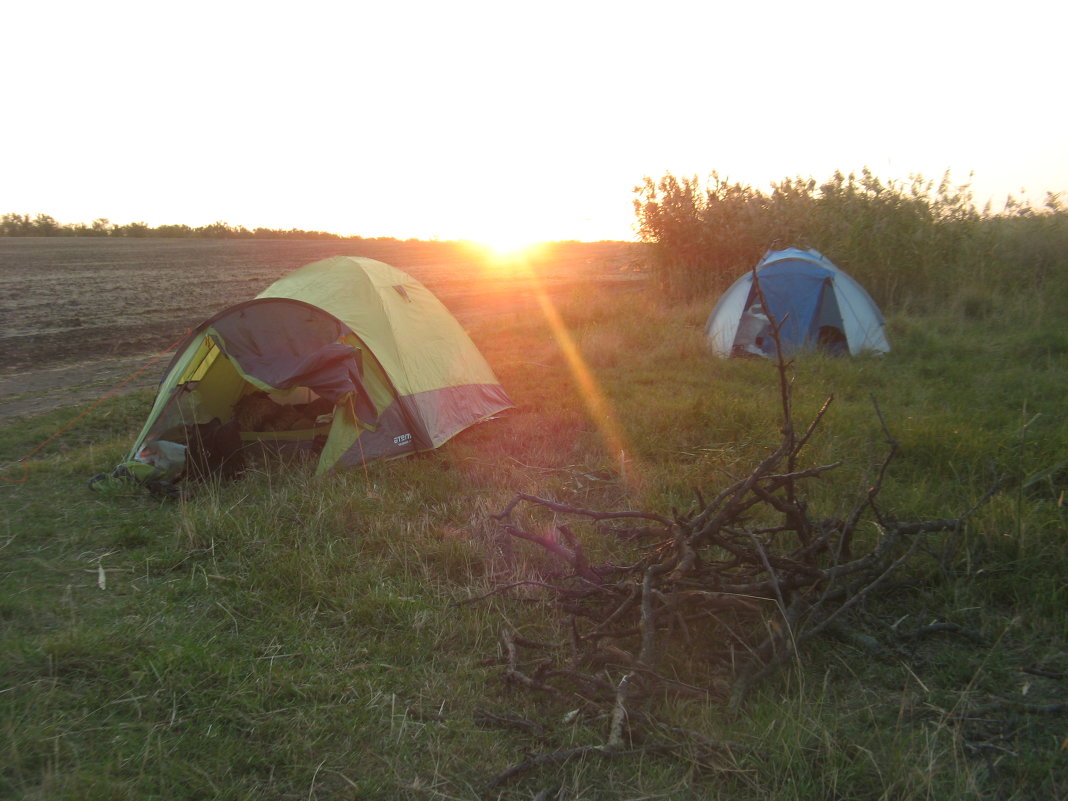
(598, 406)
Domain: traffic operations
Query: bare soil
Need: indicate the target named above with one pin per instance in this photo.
(84, 317)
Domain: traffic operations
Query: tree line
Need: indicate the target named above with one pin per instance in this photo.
(46, 225)
(907, 242)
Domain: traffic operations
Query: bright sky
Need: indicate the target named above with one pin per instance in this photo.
(503, 121)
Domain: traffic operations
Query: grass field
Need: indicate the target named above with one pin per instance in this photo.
(293, 637)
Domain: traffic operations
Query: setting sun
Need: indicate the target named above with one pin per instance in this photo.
(507, 242)
(506, 248)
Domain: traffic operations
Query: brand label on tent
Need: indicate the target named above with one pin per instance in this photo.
(402, 439)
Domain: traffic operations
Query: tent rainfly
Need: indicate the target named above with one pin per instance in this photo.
(817, 306)
(348, 353)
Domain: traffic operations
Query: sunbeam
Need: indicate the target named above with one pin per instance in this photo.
(599, 408)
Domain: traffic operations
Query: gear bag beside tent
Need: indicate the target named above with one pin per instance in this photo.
(346, 354)
(817, 306)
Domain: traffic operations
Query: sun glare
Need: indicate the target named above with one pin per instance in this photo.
(505, 245)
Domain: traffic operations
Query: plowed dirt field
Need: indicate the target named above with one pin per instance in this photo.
(80, 315)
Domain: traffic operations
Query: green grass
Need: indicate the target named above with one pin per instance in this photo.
(287, 636)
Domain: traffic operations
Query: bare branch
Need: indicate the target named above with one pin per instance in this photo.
(593, 514)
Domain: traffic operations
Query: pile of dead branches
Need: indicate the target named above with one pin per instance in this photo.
(738, 584)
(767, 588)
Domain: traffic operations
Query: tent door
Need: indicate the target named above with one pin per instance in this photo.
(828, 331)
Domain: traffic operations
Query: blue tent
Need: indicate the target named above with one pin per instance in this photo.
(816, 305)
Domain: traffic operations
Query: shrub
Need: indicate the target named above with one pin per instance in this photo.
(909, 243)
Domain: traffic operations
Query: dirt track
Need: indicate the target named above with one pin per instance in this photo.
(79, 317)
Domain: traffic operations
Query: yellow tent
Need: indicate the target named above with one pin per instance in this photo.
(347, 354)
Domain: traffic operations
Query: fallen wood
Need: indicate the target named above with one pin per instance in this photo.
(753, 568)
